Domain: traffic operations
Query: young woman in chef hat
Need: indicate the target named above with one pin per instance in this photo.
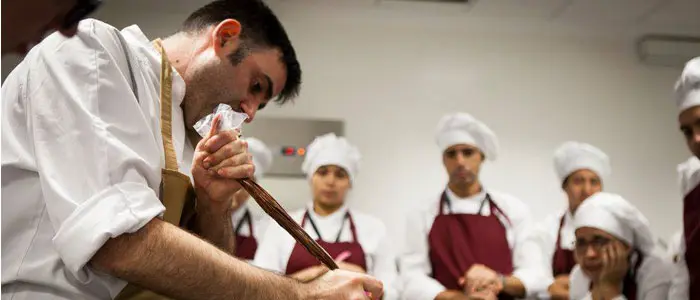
(617, 253)
(357, 241)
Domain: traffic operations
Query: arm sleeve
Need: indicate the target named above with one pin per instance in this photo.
(414, 263)
(680, 282)
(384, 267)
(268, 255)
(528, 258)
(97, 158)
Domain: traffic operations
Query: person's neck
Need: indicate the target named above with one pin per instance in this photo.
(325, 210)
(466, 190)
(181, 48)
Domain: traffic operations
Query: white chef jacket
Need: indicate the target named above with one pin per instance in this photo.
(545, 234)
(260, 223)
(81, 158)
(689, 177)
(653, 280)
(414, 263)
(674, 245)
(277, 245)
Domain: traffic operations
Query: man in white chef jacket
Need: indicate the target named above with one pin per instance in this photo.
(249, 227)
(582, 170)
(468, 239)
(686, 279)
(81, 173)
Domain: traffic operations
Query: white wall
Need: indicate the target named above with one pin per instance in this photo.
(535, 90)
(391, 76)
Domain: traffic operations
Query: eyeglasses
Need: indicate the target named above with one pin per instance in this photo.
(82, 9)
(597, 243)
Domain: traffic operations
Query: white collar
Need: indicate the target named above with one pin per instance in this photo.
(338, 215)
(476, 197)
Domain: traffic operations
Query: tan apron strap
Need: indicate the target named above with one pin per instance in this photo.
(166, 108)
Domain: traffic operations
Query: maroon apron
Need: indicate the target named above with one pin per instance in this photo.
(246, 245)
(300, 259)
(691, 229)
(458, 241)
(563, 260)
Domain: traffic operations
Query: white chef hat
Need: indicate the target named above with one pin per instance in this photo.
(688, 86)
(614, 215)
(329, 149)
(262, 156)
(462, 128)
(573, 156)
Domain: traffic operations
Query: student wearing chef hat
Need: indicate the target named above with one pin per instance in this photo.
(248, 227)
(582, 170)
(468, 239)
(687, 276)
(358, 242)
(617, 253)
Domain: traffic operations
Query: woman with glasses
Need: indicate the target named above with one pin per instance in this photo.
(616, 252)
(357, 241)
(582, 169)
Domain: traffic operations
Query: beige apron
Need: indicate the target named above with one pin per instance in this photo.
(176, 191)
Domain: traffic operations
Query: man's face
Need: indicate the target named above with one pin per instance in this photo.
(24, 22)
(581, 185)
(462, 163)
(689, 121)
(228, 71)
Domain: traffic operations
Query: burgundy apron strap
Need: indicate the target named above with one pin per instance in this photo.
(561, 224)
(246, 218)
(496, 209)
(444, 202)
(352, 228)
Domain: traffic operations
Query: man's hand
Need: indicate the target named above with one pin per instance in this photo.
(345, 285)
(310, 273)
(479, 278)
(219, 159)
(559, 289)
(351, 267)
(486, 294)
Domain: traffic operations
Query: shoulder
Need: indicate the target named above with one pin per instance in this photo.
(368, 221)
(655, 270)
(428, 206)
(511, 205)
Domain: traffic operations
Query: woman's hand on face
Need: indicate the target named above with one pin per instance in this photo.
(615, 264)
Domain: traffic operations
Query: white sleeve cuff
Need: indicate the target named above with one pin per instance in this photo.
(535, 283)
(418, 286)
(121, 208)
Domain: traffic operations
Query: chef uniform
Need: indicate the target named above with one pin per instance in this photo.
(686, 283)
(674, 246)
(249, 227)
(649, 277)
(363, 236)
(84, 157)
(555, 234)
(489, 228)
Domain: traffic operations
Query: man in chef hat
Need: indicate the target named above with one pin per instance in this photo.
(468, 240)
(617, 253)
(581, 169)
(249, 228)
(687, 276)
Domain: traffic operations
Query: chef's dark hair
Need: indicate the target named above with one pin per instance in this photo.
(261, 28)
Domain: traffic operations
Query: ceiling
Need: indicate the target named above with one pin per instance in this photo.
(639, 16)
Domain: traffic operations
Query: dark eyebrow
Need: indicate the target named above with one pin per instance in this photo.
(270, 87)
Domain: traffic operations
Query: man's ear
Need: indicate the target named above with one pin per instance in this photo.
(226, 36)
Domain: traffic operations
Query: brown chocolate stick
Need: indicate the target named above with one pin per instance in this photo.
(275, 210)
